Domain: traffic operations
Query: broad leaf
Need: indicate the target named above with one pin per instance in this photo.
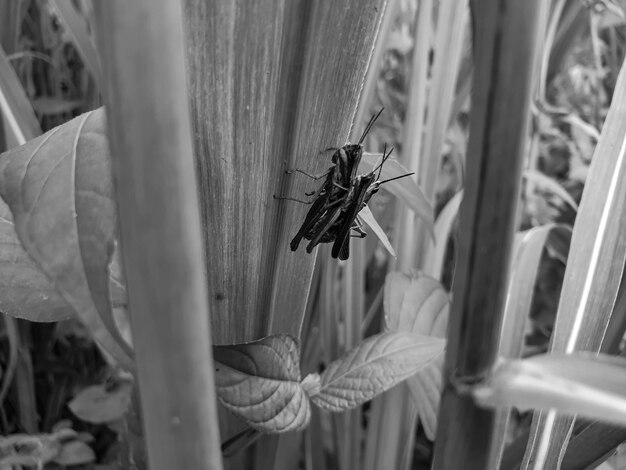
(102, 403)
(419, 304)
(582, 384)
(58, 187)
(25, 291)
(260, 383)
(376, 365)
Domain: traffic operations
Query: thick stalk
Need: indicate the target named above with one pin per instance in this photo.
(148, 116)
(505, 45)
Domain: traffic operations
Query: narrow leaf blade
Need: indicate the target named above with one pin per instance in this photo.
(589, 386)
(405, 189)
(367, 217)
(594, 270)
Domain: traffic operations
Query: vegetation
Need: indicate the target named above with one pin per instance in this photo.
(490, 339)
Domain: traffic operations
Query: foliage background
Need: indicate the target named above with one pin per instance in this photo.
(56, 361)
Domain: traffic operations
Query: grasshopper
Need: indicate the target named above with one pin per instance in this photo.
(341, 220)
(336, 203)
(338, 179)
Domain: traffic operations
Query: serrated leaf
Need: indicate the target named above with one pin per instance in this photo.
(418, 303)
(102, 404)
(58, 187)
(376, 365)
(25, 291)
(579, 384)
(260, 383)
(75, 453)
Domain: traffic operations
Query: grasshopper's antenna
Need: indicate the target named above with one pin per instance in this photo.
(385, 157)
(394, 178)
(369, 125)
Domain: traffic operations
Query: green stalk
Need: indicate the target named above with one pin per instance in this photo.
(506, 35)
(160, 229)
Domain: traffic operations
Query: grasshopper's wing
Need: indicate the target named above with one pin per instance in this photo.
(341, 247)
(325, 224)
(312, 216)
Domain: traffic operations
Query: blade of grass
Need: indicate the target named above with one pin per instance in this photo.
(11, 15)
(393, 414)
(593, 271)
(435, 258)
(371, 77)
(506, 47)
(354, 289)
(612, 341)
(76, 26)
(24, 382)
(527, 251)
(415, 126)
(428, 114)
(17, 111)
(323, 120)
(160, 229)
(449, 43)
(9, 371)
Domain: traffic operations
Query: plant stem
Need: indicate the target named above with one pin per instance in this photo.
(143, 57)
(506, 39)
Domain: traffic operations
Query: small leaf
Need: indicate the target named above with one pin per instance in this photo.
(367, 217)
(260, 383)
(75, 453)
(102, 404)
(405, 189)
(419, 304)
(579, 384)
(376, 365)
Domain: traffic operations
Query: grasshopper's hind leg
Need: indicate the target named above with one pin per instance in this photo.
(314, 177)
(286, 198)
